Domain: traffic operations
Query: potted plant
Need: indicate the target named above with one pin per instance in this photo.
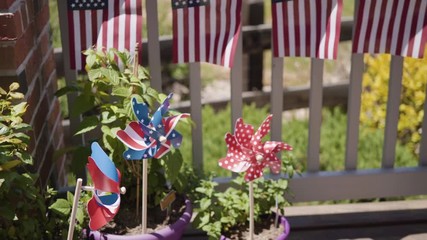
(106, 103)
(226, 214)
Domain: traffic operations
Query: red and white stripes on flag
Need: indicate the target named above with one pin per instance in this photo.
(104, 23)
(306, 28)
(206, 30)
(391, 26)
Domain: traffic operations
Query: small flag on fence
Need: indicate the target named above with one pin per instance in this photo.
(108, 24)
(206, 30)
(306, 28)
(391, 26)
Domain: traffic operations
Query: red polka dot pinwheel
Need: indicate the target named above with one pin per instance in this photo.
(247, 153)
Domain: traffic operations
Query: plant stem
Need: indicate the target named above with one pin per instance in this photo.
(251, 211)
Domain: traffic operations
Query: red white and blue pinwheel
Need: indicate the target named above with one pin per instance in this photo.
(247, 153)
(105, 201)
(151, 137)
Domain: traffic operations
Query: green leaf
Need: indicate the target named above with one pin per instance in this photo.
(94, 74)
(122, 91)
(90, 60)
(70, 197)
(205, 203)
(2, 91)
(20, 108)
(9, 165)
(61, 207)
(172, 164)
(16, 95)
(66, 90)
(14, 86)
(111, 75)
(82, 104)
(88, 124)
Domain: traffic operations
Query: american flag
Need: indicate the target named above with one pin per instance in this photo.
(391, 26)
(306, 28)
(206, 30)
(106, 24)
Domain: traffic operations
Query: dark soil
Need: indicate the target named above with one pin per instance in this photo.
(264, 229)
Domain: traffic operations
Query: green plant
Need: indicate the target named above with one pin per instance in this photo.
(60, 214)
(22, 209)
(374, 96)
(222, 211)
(104, 103)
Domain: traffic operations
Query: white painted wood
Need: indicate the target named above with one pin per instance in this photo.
(423, 144)
(276, 102)
(359, 184)
(392, 117)
(153, 45)
(315, 121)
(276, 98)
(353, 113)
(236, 75)
(196, 115)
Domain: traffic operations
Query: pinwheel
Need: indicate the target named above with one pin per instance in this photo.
(105, 201)
(247, 153)
(151, 137)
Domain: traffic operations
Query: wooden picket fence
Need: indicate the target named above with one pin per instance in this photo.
(314, 184)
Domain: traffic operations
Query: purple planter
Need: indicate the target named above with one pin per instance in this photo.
(172, 232)
(282, 236)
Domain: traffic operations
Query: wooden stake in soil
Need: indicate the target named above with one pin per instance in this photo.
(251, 211)
(74, 209)
(144, 196)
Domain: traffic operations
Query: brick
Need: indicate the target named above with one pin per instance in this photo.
(25, 16)
(5, 4)
(33, 67)
(11, 27)
(44, 42)
(33, 100)
(53, 115)
(13, 55)
(48, 67)
(40, 117)
(42, 18)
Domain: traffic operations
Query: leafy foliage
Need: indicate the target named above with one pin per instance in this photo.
(22, 209)
(221, 211)
(374, 96)
(104, 103)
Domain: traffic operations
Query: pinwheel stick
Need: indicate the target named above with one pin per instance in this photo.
(251, 211)
(144, 196)
(74, 209)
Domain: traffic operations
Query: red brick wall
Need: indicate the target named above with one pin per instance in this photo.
(26, 57)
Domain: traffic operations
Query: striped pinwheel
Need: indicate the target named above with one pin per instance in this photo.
(151, 137)
(247, 153)
(105, 201)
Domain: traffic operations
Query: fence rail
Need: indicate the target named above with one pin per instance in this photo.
(313, 185)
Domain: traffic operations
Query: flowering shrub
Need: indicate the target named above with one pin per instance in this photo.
(374, 96)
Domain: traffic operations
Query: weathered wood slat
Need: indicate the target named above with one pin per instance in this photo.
(275, 99)
(292, 98)
(392, 117)
(196, 115)
(353, 113)
(153, 45)
(315, 120)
